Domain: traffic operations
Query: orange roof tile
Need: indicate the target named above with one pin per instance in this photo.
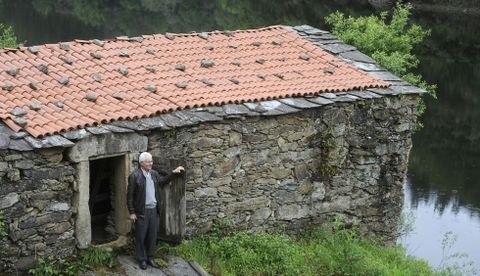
(250, 65)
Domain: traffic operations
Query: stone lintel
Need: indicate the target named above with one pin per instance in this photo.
(107, 144)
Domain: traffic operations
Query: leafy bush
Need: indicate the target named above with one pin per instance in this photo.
(390, 43)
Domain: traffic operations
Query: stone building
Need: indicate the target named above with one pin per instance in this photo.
(276, 127)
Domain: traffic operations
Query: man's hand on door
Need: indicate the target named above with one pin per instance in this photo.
(179, 169)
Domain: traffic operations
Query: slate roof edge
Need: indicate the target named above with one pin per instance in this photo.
(351, 55)
(22, 141)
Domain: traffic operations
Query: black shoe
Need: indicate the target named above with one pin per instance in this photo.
(143, 265)
(153, 264)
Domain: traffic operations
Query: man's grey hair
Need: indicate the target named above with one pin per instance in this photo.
(143, 156)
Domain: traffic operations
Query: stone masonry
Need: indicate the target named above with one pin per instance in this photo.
(347, 156)
(300, 169)
(36, 191)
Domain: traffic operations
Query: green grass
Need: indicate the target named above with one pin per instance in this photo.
(93, 258)
(321, 252)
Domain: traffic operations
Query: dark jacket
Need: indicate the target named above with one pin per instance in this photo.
(136, 191)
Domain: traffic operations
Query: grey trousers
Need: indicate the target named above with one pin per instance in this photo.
(146, 228)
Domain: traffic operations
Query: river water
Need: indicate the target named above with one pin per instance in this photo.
(442, 189)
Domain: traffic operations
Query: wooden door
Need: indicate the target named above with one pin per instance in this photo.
(172, 202)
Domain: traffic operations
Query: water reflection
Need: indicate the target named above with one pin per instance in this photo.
(442, 188)
(49, 21)
(445, 158)
(433, 221)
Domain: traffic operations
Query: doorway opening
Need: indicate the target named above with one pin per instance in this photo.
(107, 177)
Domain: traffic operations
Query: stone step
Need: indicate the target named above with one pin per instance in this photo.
(176, 266)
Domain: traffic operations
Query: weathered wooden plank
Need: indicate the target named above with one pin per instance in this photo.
(198, 268)
(172, 205)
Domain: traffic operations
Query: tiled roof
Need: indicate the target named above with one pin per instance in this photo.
(58, 87)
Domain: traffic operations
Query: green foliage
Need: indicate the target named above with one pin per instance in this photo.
(328, 141)
(265, 253)
(390, 43)
(170, 133)
(362, 103)
(50, 266)
(222, 228)
(95, 256)
(91, 12)
(337, 250)
(3, 226)
(454, 263)
(327, 144)
(45, 267)
(44, 7)
(90, 259)
(406, 224)
(7, 37)
(161, 262)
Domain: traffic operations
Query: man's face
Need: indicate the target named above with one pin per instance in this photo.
(147, 163)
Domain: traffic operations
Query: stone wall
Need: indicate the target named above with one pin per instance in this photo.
(35, 199)
(298, 169)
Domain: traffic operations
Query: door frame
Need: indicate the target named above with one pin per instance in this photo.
(95, 147)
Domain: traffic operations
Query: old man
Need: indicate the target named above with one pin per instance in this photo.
(142, 201)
